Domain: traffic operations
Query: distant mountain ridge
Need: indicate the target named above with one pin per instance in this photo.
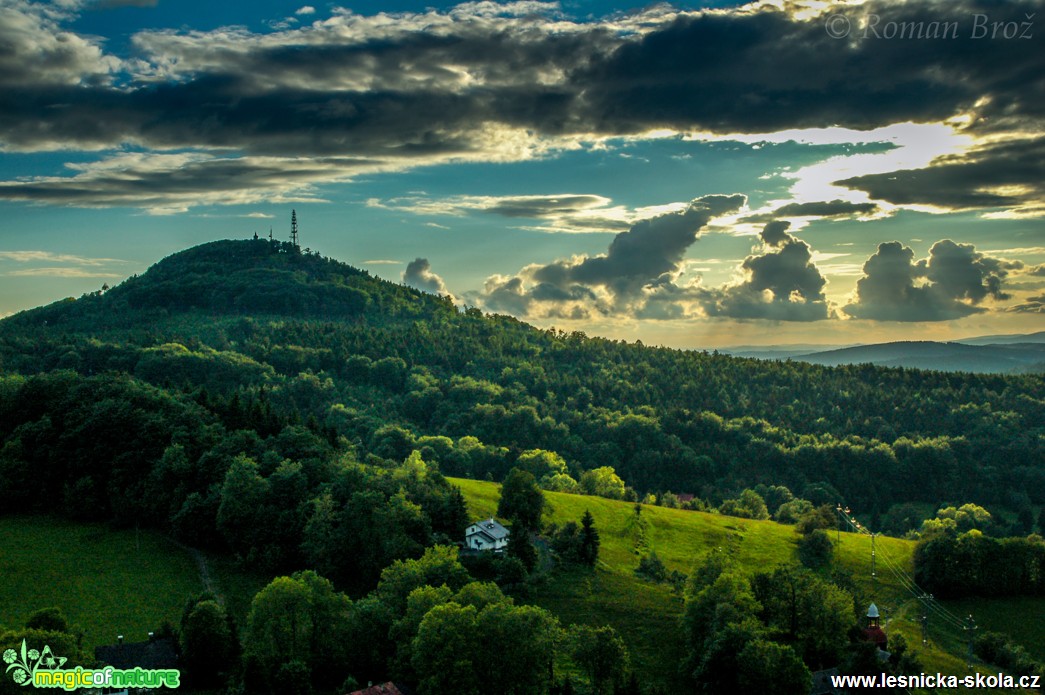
(951, 357)
(995, 354)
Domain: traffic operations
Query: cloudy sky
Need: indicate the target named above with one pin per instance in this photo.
(691, 175)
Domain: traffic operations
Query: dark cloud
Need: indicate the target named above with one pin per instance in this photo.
(639, 261)
(1032, 305)
(1006, 174)
(763, 71)
(951, 283)
(507, 296)
(775, 233)
(544, 206)
(489, 82)
(833, 208)
(419, 275)
(113, 4)
(782, 283)
(639, 276)
(175, 182)
(647, 254)
(570, 213)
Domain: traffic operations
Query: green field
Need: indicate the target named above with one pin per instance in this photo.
(107, 582)
(646, 613)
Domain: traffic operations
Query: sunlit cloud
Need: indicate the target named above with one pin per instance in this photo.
(60, 272)
(50, 257)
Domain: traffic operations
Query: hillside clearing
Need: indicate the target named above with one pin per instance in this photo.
(645, 613)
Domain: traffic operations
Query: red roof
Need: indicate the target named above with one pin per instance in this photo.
(383, 689)
(876, 635)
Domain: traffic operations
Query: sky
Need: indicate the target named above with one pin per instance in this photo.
(693, 175)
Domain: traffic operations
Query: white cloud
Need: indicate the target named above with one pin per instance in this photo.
(60, 272)
(568, 213)
(50, 257)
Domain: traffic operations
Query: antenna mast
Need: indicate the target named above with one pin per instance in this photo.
(294, 227)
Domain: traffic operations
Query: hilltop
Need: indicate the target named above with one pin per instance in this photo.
(239, 278)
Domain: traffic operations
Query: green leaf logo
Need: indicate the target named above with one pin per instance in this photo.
(22, 666)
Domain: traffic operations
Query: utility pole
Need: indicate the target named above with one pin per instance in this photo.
(874, 575)
(970, 631)
(925, 598)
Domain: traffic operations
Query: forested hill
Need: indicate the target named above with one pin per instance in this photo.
(262, 335)
(257, 277)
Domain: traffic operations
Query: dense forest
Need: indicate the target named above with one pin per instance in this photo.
(259, 333)
(261, 400)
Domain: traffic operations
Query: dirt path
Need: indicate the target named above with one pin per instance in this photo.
(204, 568)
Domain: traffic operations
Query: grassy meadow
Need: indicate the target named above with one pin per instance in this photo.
(107, 582)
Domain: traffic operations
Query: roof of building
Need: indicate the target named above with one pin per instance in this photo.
(384, 689)
(157, 653)
(876, 635)
(822, 684)
(492, 529)
(872, 612)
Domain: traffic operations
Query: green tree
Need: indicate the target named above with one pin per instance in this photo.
(244, 496)
(807, 611)
(728, 599)
(774, 496)
(540, 463)
(438, 566)
(450, 652)
(521, 500)
(815, 549)
(402, 633)
(52, 619)
(560, 482)
(297, 619)
(822, 517)
(601, 654)
(715, 667)
(749, 505)
(207, 644)
(791, 512)
(955, 520)
(519, 546)
(589, 540)
(603, 482)
(530, 635)
(652, 567)
(445, 651)
(768, 667)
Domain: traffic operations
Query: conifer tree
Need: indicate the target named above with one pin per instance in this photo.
(589, 540)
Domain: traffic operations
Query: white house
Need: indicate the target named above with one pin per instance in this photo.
(486, 535)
